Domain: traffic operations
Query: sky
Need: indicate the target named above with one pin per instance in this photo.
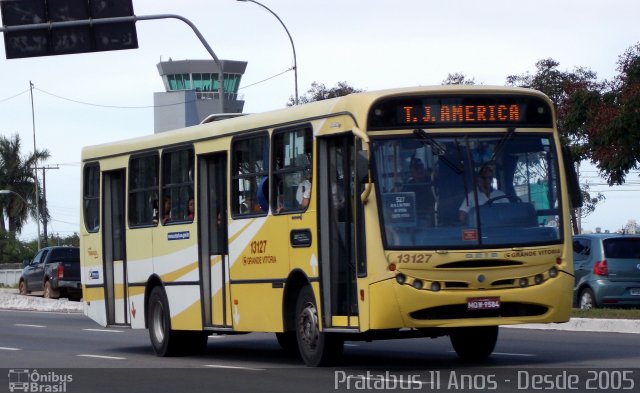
(371, 44)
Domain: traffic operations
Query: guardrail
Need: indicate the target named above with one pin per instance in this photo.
(10, 277)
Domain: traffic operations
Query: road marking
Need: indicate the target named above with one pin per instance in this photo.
(513, 354)
(104, 330)
(9, 349)
(351, 345)
(102, 357)
(25, 325)
(507, 354)
(233, 367)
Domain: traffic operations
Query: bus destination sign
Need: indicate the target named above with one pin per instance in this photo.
(441, 113)
(461, 111)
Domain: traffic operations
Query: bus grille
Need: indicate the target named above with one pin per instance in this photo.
(459, 311)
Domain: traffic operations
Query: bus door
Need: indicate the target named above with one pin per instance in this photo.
(337, 199)
(115, 264)
(213, 244)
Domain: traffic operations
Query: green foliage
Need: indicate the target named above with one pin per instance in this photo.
(12, 250)
(71, 240)
(614, 131)
(17, 175)
(600, 120)
(319, 92)
(458, 78)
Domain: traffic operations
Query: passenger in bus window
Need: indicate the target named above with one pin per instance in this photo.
(250, 205)
(303, 194)
(485, 193)
(190, 209)
(166, 209)
(420, 184)
(155, 211)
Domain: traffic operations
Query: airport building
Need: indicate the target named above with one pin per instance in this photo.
(191, 92)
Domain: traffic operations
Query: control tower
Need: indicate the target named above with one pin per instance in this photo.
(191, 92)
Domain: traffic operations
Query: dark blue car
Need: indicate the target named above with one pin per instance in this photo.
(607, 269)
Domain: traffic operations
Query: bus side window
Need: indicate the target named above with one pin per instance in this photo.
(292, 169)
(143, 190)
(250, 169)
(177, 185)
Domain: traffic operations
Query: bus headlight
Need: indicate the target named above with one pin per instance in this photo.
(435, 286)
(523, 282)
(539, 278)
(418, 284)
(553, 272)
(401, 278)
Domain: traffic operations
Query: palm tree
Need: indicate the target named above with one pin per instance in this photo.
(17, 174)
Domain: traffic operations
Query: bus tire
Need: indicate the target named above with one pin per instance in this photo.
(194, 342)
(316, 348)
(474, 343)
(288, 342)
(164, 340)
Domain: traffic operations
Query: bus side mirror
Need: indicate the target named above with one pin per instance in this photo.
(362, 167)
(573, 185)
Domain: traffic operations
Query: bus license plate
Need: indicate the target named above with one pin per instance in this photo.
(483, 303)
(635, 291)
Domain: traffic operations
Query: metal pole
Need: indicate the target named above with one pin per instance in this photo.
(35, 168)
(295, 62)
(134, 18)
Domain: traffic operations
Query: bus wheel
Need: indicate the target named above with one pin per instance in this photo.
(316, 348)
(288, 342)
(163, 339)
(474, 343)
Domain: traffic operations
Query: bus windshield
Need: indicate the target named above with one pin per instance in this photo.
(467, 190)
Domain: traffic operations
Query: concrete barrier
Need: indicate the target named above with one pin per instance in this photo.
(10, 277)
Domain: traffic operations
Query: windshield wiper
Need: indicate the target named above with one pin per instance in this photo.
(438, 149)
(502, 143)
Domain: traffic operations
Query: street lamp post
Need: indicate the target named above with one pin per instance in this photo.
(6, 192)
(295, 63)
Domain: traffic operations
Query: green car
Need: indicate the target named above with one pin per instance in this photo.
(607, 270)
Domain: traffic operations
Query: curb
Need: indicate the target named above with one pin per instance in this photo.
(589, 325)
(631, 326)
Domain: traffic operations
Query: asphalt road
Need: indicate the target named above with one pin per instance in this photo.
(113, 360)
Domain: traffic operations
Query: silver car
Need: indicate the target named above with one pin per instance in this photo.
(607, 269)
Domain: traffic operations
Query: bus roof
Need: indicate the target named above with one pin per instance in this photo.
(356, 105)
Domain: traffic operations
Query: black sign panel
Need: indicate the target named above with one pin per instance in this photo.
(462, 110)
(66, 40)
(399, 209)
(300, 238)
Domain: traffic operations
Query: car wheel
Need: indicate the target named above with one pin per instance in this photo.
(474, 343)
(49, 293)
(316, 348)
(587, 300)
(23, 287)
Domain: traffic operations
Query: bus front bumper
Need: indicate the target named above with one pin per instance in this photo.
(395, 305)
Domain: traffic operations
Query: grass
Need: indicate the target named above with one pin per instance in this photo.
(608, 313)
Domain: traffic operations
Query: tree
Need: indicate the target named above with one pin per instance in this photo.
(17, 175)
(458, 78)
(319, 92)
(573, 93)
(614, 131)
(12, 250)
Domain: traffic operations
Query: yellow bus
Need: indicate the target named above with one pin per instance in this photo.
(416, 212)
